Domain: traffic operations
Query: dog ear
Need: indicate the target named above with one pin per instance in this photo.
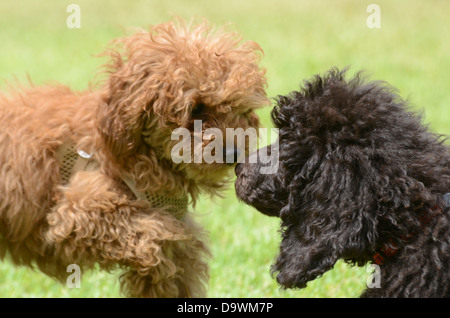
(124, 98)
(329, 215)
(135, 90)
(120, 125)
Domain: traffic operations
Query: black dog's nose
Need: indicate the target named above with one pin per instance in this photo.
(238, 169)
(231, 155)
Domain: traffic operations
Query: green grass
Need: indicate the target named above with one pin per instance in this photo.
(300, 38)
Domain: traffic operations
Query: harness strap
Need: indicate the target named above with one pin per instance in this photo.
(177, 206)
(73, 160)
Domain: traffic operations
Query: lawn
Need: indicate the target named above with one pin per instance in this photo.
(300, 38)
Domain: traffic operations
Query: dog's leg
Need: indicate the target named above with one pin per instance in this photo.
(94, 223)
(178, 268)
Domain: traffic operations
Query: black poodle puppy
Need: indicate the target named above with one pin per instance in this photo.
(360, 178)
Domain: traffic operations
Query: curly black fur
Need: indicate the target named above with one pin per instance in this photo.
(359, 173)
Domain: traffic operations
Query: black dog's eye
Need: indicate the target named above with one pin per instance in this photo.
(198, 109)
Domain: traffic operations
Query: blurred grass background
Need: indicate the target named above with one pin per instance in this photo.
(411, 51)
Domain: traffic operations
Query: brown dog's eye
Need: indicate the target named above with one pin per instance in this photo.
(198, 109)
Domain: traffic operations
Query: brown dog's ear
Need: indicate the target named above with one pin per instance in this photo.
(128, 94)
(120, 119)
(137, 87)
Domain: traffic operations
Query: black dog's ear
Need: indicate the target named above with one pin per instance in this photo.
(331, 214)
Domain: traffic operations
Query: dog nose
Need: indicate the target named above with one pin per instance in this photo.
(238, 169)
(231, 155)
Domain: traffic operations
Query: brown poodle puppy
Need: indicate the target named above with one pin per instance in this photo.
(122, 203)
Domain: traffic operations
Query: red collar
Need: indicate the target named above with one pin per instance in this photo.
(391, 248)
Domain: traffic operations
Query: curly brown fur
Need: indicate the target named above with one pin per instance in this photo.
(359, 174)
(157, 81)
